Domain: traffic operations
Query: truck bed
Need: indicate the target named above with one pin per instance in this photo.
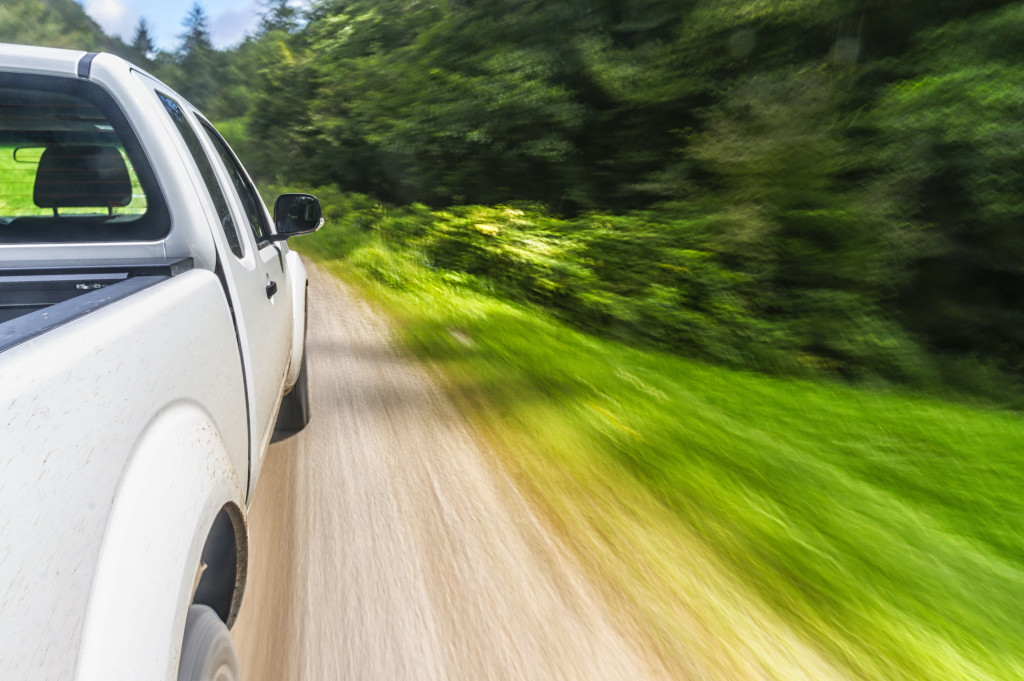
(38, 296)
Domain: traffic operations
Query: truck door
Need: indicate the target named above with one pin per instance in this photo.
(253, 271)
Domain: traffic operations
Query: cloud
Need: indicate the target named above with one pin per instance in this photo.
(113, 16)
(230, 26)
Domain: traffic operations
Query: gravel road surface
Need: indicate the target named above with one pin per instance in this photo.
(386, 546)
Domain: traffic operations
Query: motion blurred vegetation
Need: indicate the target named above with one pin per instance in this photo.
(53, 23)
(810, 187)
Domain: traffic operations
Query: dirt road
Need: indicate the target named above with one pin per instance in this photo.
(386, 547)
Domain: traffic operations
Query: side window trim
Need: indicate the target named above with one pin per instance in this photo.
(247, 192)
(208, 175)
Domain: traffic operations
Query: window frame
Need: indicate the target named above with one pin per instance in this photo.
(205, 165)
(217, 141)
(151, 226)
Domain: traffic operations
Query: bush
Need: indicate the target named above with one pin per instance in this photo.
(672, 277)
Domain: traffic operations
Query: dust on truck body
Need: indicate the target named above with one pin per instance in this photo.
(152, 345)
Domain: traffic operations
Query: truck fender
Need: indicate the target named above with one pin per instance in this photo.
(179, 480)
(299, 282)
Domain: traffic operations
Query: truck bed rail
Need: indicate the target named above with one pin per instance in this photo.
(36, 297)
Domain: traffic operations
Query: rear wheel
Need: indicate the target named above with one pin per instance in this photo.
(207, 651)
(294, 413)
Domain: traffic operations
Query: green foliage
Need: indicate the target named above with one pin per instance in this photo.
(142, 40)
(666, 278)
(577, 107)
(278, 15)
(196, 37)
(197, 59)
(954, 145)
(825, 256)
(849, 171)
(279, 118)
(54, 23)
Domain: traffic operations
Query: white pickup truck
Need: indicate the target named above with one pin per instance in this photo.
(152, 336)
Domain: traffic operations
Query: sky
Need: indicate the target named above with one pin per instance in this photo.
(229, 20)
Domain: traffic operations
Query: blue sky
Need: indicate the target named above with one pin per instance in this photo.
(229, 20)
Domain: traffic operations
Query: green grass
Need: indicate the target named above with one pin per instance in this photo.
(17, 181)
(734, 516)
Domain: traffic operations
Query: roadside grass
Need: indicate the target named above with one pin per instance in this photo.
(747, 526)
(17, 180)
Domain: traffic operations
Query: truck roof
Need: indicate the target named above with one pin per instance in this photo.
(48, 59)
(57, 61)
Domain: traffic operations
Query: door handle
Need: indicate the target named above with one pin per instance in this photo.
(271, 289)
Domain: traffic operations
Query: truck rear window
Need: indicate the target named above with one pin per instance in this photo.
(71, 168)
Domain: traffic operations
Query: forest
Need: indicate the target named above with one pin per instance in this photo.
(813, 187)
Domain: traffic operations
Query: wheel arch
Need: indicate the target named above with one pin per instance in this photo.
(178, 482)
(224, 564)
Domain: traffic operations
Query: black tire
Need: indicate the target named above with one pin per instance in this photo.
(207, 651)
(294, 413)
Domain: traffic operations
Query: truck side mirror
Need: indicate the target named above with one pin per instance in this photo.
(296, 214)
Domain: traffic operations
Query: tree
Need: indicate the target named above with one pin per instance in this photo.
(278, 15)
(196, 37)
(827, 254)
(142, 42)
(54, 23)
(197, 58)
(955, 151)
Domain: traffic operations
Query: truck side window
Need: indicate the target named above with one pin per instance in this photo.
(206, 170)
(251, 201)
